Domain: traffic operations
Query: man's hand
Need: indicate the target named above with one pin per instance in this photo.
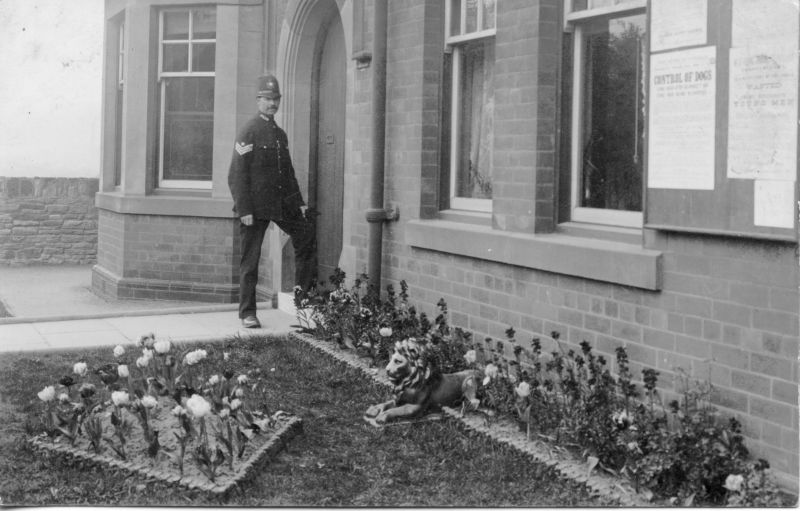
(247, 220)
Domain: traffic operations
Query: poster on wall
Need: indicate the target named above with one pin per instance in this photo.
(756, 21)
(773, 203)
(762, 113)
(677, 23)
(682, 119)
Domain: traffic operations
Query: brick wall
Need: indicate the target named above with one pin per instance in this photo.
(728, 313)
(167, 258)
(728, 308)
(47, 220)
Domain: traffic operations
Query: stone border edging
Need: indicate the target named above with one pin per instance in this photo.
(266, 451)
(566, 464)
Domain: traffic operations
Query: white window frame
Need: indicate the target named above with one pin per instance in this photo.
(574, 24)
(177, 183)
(453, 44)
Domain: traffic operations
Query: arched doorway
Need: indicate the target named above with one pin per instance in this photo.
(326, 169)
(311, 56)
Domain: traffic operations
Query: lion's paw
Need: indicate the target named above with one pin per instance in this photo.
(373, 411)
(382, 418)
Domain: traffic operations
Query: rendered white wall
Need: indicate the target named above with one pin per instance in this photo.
(50, 80)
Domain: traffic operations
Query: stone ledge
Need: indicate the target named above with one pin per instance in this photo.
(270, 448)
(563, 462)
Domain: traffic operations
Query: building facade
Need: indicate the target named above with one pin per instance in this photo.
(621, 171)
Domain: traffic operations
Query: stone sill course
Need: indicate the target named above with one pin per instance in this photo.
(562, 461)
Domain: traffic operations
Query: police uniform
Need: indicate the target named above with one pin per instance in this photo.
(263, 184)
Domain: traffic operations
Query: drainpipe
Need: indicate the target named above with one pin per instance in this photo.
(376, 214)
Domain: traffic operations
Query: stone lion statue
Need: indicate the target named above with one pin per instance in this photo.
(419, 387)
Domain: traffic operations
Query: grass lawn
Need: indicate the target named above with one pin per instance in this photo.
(338, 461)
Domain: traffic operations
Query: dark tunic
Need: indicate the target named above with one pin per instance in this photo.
(261, 176)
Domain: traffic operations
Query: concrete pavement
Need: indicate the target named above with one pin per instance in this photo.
(54, 308)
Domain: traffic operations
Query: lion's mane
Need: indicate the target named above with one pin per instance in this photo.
(421, 368)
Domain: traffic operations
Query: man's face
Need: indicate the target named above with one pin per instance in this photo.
(268, 106)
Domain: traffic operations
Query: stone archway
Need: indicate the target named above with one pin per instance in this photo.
(306, 25)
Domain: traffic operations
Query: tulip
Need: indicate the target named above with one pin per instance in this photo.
(80, 369)
(149, 402)
(47, 394)
(63, 397)
(198, 406)
(119, 351)
(122, 371)
(162, 347)
(242, 379)
(147, 353)
(178, 411)
(235, 404)
(225, 356)
(523, 390)
(142, 362)
(87, 390)
(224, 413)
(385, 332)
(491, 371)
(213, 380)
(120, 398)
(67, 381)
(239, 393)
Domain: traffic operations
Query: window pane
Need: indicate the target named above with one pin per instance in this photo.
(176, 25)
(476, 126)
(613, 105)
(204, 24)
(472, 16)
(176, 57)
(455, 17)
(188, 128)
(203, 57)
(488, 14)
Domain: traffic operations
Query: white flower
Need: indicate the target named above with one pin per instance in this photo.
(178, 411)
(47, 394)
(242, 379)
(142, 361)
(632, 446)
(214, 379)
(122, 371)
(523, 389)
(120, 397)
(195, 356)
(147, 340)
(63, 397)
(198, 406)
(224, 413)
(272, 369)
(470, 357)
(734, 482)
(148, 354)
(235, 404)
(225, 400)
(225, 356)
(239, 393)
(149, 402)
(119, 351)
(80, 369)
(512, 378)
(162, 347)
(491, 371)
(385, 332)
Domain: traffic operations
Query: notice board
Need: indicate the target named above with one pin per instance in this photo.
(722, 117)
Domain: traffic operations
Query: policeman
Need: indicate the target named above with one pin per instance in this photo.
(264, 189)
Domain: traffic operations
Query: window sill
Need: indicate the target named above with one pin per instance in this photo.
(605, 260)
(168, 203)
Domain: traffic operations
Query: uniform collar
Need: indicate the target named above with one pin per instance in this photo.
(269, 118)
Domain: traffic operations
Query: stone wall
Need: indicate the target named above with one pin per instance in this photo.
(48, 220)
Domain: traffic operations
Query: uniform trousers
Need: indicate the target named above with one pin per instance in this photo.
(303, 238)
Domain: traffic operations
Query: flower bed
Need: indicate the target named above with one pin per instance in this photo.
(176, 415)
(682, 452)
